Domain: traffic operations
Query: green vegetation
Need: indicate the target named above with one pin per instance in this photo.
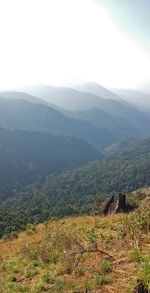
(70, 255)
(105, 266)
(57, 262)
(27, 158)
(31, 117)
(41, 181)
(77, 192)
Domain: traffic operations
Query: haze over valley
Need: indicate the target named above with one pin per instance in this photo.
(74, 146)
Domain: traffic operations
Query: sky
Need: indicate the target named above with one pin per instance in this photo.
(60, 41)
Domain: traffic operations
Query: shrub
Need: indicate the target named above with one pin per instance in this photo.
(54, 219)
(6, 237)
(138, 221)
(134, 199)
(30, 228)
(14, 235)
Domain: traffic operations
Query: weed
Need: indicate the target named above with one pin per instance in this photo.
(80, 270)
(146, 273)
(53, 257)
(15, 288)
(105, 266)
(31, 272)
(102, 279)
(36, 263)
(59, 284)
(92, 235)
(12, 278)
(136, 255)
(47, 277)
(88, 285)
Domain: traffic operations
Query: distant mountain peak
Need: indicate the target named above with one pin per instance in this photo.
(96, 89)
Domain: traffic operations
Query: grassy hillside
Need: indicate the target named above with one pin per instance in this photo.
(82, 254)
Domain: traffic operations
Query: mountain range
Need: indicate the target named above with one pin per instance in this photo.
(62, 147)
(75, 100)
(27, 157)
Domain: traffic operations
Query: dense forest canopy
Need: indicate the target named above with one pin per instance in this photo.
(62, 162)
(75, 192)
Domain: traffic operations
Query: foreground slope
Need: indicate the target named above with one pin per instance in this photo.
(84, 254)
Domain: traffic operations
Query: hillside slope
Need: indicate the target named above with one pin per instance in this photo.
(19, 114)
(138, 98)
(27, 157)
(75, 100)
(96, 89)
(74, 192)
(84, 254)
(130, 148)
(119, 125)
(16, 95)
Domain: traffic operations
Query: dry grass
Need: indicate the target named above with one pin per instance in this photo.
(52, 258)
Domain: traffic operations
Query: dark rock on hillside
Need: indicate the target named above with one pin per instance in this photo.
(114, 204)
(140, 287)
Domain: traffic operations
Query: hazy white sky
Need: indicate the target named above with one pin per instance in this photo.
(50, 41)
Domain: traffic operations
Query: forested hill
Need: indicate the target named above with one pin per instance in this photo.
(27, 157)
(129, 148)
(74, 192)
(39, 144)
(16, 95)
(19, 114)
(116, 124)
(74, 100)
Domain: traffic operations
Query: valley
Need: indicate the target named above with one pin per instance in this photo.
(64, 151)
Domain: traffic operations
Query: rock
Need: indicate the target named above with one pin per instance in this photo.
(140, 287)
(114, 204)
